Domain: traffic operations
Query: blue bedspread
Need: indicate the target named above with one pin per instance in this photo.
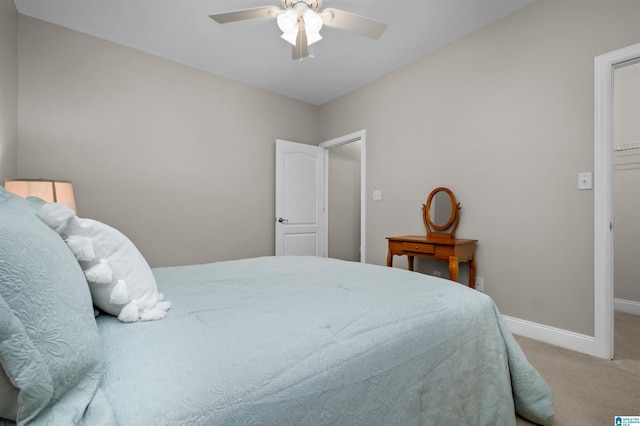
(315, 341)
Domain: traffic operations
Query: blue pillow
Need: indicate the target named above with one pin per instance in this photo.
(49, 344)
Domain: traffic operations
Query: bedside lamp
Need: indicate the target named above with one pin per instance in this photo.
(50, 190)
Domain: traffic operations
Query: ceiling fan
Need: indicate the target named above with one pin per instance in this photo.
(300, 22)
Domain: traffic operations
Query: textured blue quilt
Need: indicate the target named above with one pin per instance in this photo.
(315, 341)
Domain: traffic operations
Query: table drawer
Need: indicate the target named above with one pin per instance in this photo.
(419, 248)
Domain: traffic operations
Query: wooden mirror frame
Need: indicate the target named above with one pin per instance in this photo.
(447, 230)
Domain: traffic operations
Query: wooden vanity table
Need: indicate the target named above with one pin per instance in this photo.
(440, 216)
(452, 251)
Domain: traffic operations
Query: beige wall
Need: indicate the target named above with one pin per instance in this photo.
(182, 161)
(503, 117)
(179, 160)
(8, 90)
(626, 110)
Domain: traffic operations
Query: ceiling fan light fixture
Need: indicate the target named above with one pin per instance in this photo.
(312, 21)
(301, 21)
(288, 21)
(312, 26)
(290, 37)
(312, 38)
(288, 24)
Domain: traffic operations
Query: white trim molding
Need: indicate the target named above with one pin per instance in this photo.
(627, 306)
(554, 336)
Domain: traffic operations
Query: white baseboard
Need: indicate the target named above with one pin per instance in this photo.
(564, 338)
(628, 306)
(554, 336)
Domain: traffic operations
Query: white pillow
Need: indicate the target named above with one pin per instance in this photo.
(120, 279)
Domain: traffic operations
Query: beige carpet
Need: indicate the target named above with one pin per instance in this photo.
(591, 391)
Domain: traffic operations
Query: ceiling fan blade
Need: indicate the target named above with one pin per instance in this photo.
(241, 15)
(351, 22)
(300, 50)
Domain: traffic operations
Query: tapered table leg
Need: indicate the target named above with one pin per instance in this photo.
(410, 262)
(453, 268)
(472, 272)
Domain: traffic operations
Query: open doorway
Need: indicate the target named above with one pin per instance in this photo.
(345, 164)
(626, 205)
(344, 202)
(603, 197)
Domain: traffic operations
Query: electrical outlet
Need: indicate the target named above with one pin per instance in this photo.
(436, 273)
(480, 284)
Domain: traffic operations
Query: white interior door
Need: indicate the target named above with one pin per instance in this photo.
(299, 215)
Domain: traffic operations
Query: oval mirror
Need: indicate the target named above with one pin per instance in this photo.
(441, 211)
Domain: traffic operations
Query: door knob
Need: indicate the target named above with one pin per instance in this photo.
(281, 220)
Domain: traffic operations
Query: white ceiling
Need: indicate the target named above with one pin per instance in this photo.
(253, 52)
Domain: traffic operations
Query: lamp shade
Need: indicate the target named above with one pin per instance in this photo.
(51, 191)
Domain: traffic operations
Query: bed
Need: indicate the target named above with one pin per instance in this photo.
(260, 341)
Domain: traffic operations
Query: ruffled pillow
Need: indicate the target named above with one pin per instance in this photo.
(120, 279)
(49, 341)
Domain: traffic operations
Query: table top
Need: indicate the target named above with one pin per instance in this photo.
(433, 240)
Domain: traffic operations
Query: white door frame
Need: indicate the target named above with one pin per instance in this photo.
(603, 196)
(361, 136)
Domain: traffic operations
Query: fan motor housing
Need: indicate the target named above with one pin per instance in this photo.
(312, 4)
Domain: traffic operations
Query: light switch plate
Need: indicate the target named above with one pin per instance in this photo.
(584, 180)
